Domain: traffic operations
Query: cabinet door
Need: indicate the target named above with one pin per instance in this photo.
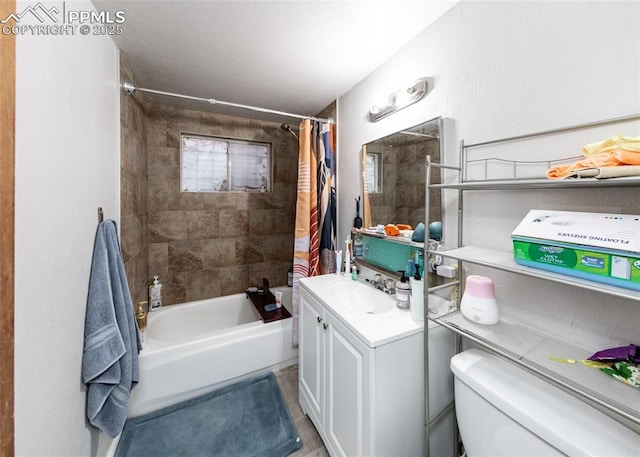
(311, 358)
(348, 422)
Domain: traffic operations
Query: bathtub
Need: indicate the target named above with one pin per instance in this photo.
(197, 347)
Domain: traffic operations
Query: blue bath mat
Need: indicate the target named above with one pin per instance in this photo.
(249, 418)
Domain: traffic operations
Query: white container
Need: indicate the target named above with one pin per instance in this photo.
(417, 299)
(155, 295)
(478, 303)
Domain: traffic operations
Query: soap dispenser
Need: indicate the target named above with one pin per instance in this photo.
(403, 292)
(141, 319)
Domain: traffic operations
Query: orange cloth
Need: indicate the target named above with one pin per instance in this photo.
(612, 158)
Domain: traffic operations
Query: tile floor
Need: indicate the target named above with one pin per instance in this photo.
(312, 445)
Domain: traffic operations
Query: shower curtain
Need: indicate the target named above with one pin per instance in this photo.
(315, 230)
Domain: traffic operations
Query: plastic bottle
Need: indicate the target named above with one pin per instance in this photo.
(403, 292)
(155, 295)
(290, 277)
(417, 298)
(348, 254)
(410, 264)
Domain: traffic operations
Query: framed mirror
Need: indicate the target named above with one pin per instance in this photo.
(394, 176)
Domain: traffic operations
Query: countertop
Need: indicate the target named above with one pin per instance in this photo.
(373, 329)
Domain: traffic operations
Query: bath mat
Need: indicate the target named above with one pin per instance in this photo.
(249, 418)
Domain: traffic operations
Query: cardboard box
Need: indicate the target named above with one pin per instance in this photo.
(594, 246)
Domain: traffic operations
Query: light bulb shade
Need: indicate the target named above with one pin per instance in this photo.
(400, 99)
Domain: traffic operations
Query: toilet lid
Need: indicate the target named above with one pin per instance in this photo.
(565, 422)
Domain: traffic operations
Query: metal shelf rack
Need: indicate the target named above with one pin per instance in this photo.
(523, 346)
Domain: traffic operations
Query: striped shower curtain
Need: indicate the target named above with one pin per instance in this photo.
(315, 231)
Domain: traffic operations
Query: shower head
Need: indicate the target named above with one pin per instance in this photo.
(286, 128)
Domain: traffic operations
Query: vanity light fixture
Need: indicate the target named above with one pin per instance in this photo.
(400, 99)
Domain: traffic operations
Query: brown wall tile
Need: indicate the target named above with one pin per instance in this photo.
(167, 226)
(185, 256)
(133, 186)
(158, 259)
(202, 284)
(234, 224)
(202, 225)
(206, 244)
(219, 253)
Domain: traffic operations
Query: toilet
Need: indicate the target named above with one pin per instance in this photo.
(503, 410)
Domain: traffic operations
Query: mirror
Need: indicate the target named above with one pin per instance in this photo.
(394, 175)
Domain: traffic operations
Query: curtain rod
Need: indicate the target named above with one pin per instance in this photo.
(129, 89)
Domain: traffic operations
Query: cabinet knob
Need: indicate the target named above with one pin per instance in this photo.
(319, 319)
(324, 326)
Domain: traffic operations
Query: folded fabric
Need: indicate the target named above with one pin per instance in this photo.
(111, 342)
(606, 172)
(631, 144)
(612, 158)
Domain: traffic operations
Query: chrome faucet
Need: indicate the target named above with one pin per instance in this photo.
(385, 285)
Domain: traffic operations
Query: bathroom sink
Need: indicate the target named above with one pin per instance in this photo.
(359, 297)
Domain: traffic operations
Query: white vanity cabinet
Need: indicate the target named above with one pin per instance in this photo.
(364, 399)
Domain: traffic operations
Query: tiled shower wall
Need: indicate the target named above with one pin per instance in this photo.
(206, 245)
(202, 245)
(402, 200)
(410, 182)
(134, 211)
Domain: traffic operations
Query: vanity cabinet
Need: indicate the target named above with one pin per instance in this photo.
(363, 400)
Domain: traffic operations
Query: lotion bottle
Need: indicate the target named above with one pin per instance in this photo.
(155, 295)
(403, 292)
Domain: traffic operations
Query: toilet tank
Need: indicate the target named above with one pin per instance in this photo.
(503, 410)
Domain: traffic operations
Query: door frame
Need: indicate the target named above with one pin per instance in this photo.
(7, 232)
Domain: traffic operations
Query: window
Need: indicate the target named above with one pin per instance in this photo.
(374, 172)
(210, 164)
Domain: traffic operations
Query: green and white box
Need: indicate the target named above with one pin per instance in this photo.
(596, 246)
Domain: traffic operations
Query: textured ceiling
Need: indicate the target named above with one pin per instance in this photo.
(293, 56)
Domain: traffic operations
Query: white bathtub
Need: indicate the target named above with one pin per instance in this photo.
(200, 346)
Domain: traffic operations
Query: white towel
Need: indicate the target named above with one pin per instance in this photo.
(606, 172)
(111, 342)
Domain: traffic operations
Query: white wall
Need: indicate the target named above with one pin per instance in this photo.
(506, 68)
(67, 163)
